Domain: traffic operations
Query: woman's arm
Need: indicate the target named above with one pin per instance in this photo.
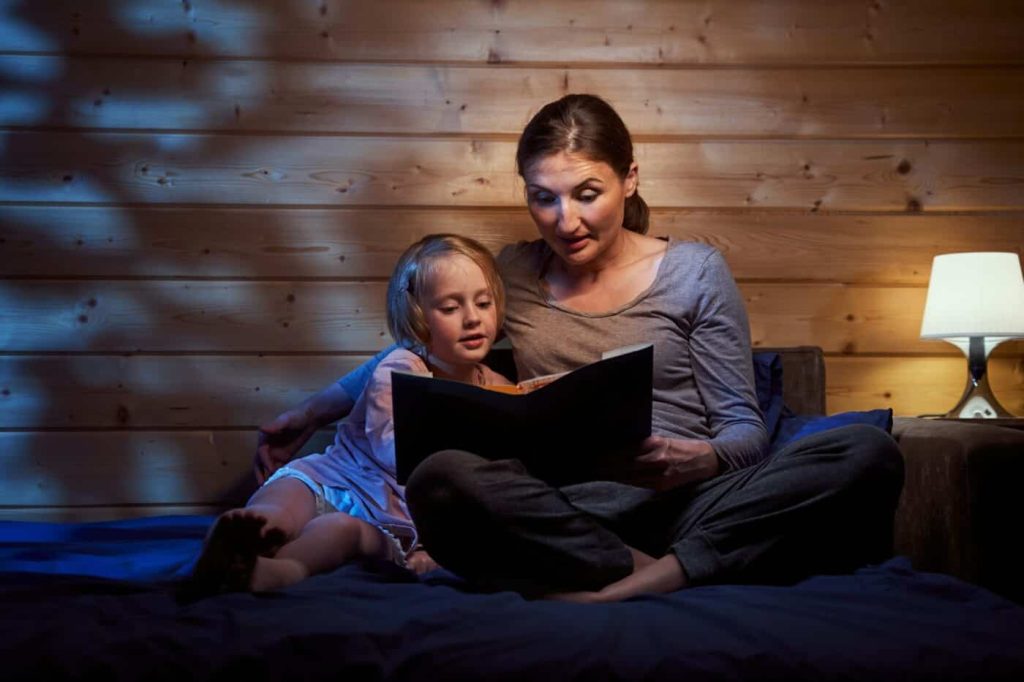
(282, 437)
(723, 368)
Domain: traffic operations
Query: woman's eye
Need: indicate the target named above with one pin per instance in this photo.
(588, 196)
(543, 198)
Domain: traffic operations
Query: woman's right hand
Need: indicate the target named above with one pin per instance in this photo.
(280, 439)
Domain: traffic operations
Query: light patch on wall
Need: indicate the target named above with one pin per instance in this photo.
(32, 70)
(22, 395)
(232, 38)
(67, 187)
(16, 35)
(151, 112)
(160, 468)
(174, 143)
(22, 108)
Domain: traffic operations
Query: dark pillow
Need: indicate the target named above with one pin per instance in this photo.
(794, 427)
(768, 384)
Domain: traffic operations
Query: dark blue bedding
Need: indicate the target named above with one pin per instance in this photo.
(84, 600)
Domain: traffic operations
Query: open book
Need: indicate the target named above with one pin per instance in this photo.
(559, 426)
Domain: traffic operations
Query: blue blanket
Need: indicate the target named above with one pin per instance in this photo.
(99, 599)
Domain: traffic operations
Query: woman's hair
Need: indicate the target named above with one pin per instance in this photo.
(412, 274)
(588, 126)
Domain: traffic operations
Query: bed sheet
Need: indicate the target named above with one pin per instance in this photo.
(80, 600)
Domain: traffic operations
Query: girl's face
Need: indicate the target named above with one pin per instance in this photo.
(459, 310)
(578, 206)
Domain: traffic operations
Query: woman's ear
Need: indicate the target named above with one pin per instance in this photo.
(632, 179)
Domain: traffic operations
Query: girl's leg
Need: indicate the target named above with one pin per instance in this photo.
(276, 514)
(325, 543)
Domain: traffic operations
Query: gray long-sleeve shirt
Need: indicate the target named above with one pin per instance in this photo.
(694, 316)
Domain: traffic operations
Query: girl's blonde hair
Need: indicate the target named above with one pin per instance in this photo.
(413, 271)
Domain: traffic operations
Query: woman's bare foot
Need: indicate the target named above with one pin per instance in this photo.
(231, 552)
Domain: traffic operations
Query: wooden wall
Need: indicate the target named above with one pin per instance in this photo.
(200, 201)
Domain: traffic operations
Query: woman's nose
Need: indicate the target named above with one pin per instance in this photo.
(568, 217)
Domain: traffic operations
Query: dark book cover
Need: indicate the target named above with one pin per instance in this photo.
(562, 431)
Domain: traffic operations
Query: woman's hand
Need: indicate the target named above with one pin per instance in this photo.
(280, 439)
(666, 463)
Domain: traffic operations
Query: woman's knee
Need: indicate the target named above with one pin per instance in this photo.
(443, 483)
(871, 460)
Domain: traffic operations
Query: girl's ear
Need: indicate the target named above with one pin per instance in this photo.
(632, 179)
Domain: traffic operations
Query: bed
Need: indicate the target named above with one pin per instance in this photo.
(85, 600)
(102, 600)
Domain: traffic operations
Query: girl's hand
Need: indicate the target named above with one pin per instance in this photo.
(420, 562)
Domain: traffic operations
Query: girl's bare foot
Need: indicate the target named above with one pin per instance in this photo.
(270, 573)
(229, 557)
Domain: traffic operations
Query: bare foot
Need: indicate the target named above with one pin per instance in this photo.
(237, 539)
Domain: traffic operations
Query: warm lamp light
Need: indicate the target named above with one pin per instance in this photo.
(975, 301)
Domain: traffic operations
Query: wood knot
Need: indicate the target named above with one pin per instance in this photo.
(123, 415)
(904, 167)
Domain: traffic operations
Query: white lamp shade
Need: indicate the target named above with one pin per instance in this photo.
(974, 294)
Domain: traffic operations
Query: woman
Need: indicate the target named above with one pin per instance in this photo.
(699, 502)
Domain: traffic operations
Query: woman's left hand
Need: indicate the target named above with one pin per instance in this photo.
(666, 463)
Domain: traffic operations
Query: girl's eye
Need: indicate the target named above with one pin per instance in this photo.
(484, 304)
(448, 309)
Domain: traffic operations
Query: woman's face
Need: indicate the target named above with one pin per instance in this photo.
(578, 205)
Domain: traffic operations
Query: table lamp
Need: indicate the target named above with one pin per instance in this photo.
(975, 301)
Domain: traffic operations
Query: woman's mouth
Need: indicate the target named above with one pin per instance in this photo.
(575, 244)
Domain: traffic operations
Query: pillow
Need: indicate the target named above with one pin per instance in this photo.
(794, 427)
(768, 385)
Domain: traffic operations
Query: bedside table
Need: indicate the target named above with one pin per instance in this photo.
(961, 506)
(1009, 422)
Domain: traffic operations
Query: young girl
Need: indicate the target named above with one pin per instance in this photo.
(445, 304)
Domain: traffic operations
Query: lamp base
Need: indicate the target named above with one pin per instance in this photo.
(977, 402)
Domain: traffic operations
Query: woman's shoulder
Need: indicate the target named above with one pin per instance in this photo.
(691, 251)
(523, 255)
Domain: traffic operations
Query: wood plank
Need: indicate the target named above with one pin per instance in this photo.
(94, 514)
(110, 242)
(193, 468)
(158, 392)
(327, 317)
(192, 316)
(890, 175)
(601, 31)
(204, 468)
(432, 99)
(918, 386)
(203, 392)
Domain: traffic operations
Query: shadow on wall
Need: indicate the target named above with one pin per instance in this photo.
(119, 287)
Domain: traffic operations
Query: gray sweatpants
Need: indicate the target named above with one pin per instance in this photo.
(822, 504)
